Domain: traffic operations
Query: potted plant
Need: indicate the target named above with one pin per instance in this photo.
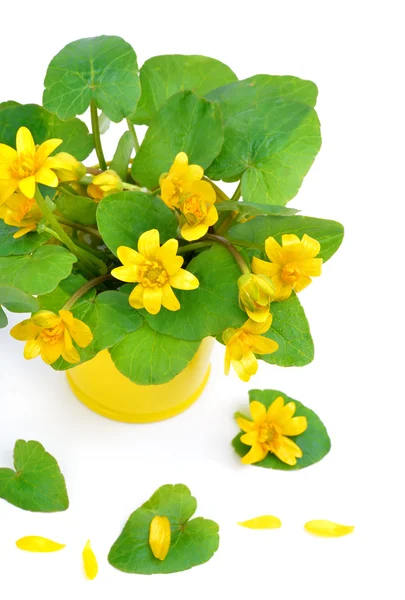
(130, 267)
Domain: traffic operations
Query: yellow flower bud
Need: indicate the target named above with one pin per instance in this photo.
(159, 537)
(67, 167)
(255, 294)
(104, 184)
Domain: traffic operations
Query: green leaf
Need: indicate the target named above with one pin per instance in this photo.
(209, 309)
(56, 299)
(37, 483)
(79, 209)
(123, 217)
(8, 104)
(290, 329)
(314, 442)
(193, 542)
(122, 155)
(3, 318)
(44, 126)
(185, 123)
(27, 243)
(17, 301)
(164, 76)
(253, 234)
(103, 69)
(147, 357)
(269, 144)
(252, 209)
(39, 272)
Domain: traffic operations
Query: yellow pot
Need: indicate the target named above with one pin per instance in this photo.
(102, 388)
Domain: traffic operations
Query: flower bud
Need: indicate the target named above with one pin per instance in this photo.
(159, 537)
(104, 184)
(67, 167)
(255, 294)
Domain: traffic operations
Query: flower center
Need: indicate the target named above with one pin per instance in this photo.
(193, 209)
(153, 274)
(269, 436)
(290, 273)
(53, 335)
(23, 210)
(23, 166)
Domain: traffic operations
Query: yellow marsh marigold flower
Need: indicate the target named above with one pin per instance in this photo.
(104, 184)
(51, 335)
(270, 430)
(67, 167)
(255, 293)
(28, 165)
(156, 269)
(179, 179)
(20, 211)
(292, 264)
(242, 344)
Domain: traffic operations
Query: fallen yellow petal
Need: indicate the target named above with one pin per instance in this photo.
(90, 562)
(324, 528)
(35, 543)
(265, 522)
(160, 537)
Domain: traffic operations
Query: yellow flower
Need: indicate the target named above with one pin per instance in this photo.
(270, 430)
(255, 293)
(242, 344)
(292, 264)
(177, 182)
(28, 165)
(20, 211)
(156, 269)
(104, 184)
(67, 167)
(51, 335)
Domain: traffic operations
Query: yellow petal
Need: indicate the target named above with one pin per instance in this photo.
(23, 231)
(180, 160)
(90, 562)
(152, 299)
(129, 274)
(7, 188)
(51, 352)
(25, 142)
(47, 177)
(184, 280)
(245, 424)
(27, 186)
(136, 297)
(312, 267)
(310, 247)
(274, 251)
(160, 537)
(194, 232)
(324, 528)
(292, 245)
(258, 328)
(258, 411)
(70, 354)
(46, 319)
(264, 522)
(275, 408)
(81, 333)
(295, 426)
(302, 283)
(167, 255)
(250, 438)
(240, 370)
(129, 257)
(204, 190)
(32, 349)
(26, 330)
(35, 543)
(196, 172)
(45, 149)
(262, 345)
(148, 244)
(286, 413)
(255, 454)
(7, 153)
(212, 216)
(169, 299)
(288, 451)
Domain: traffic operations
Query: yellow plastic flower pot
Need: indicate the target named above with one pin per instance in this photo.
(102, 388)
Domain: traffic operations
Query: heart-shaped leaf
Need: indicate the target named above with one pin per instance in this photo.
(10, 246)
(37, 483)
(17, 301)
(103, 69)
(314, 442)
(79, 209)
(193, 542)
(122, 155)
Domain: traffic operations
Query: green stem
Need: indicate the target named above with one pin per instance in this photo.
(95, 125)
(51, 232)
(78, 226)
(235, 253)
(193, 246)
(238, 192)
(218, 190)
(85, 288)
(131, 129)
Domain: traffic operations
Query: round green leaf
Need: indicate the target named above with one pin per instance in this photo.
(10, 246)
(164, 76)
(185, 123)
(147, 357)
(79, 209)
(193, 542)
(253, 209)
(103, 69)
(44, 126)
(37, 483)
(314, 442)
(39, 272)
(209, 309)
(122, 155)
(3, 318)
(56, 299)
(17, 301)
(123, 217)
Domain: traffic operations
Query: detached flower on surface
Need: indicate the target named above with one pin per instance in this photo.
(104, 184)
(20, 211)
(270, 430)
(156, 269)
(51, 335)
(179, 179)
(28, 165)
(255, 293)
(292, 264)
(242, 344)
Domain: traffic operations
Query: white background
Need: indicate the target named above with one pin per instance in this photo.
(354, 52)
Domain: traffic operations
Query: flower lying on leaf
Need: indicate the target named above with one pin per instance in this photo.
(156, 269)
(22, 212)
(28, 165)
(104, 184)
(182, 189)
(242, 344)
(292, 264)
(270, 430)
(51, 335)
(255, 293)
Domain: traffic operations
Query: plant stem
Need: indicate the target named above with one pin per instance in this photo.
(238, 192)
(218, 190)
(51, 232)
(85, 288)
(235, 253)
(96, 134)
(193, 246)
(80, 227)
(131, 129)
(227, 222)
